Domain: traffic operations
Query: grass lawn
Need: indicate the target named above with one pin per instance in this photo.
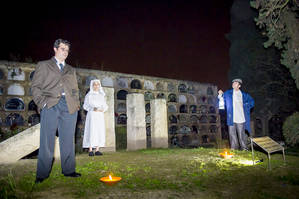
(159, 173)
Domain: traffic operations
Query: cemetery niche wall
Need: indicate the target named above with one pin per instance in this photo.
(192, 112)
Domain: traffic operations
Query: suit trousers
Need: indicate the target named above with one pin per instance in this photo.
(237, 136)
(53, 119)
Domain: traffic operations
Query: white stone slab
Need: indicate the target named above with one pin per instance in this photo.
(159, 130)
(136, 127)
(22, 144)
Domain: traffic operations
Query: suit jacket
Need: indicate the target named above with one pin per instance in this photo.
(49, 82)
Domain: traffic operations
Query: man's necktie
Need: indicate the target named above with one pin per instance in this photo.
(61, 67)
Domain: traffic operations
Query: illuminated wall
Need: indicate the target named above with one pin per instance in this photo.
(193, 117)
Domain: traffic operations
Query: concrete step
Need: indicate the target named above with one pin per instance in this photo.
(22, 144)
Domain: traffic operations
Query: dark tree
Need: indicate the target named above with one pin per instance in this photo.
(265, 78)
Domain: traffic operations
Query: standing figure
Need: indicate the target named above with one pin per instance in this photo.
(94, 132)
(237, 105)
(55, 92)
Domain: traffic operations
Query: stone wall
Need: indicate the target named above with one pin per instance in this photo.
(193, 117)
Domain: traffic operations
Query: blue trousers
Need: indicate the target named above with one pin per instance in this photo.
(53, 119)
(237, 136)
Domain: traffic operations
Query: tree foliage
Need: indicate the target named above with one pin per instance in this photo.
(291, 129)
(278, 20)
(264, 77)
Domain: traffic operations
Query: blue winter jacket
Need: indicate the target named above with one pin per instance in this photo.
(248, 103)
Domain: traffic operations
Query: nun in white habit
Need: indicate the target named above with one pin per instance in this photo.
(95, 104)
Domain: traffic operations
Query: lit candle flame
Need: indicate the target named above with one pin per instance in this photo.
(110, 180)
(226, 154)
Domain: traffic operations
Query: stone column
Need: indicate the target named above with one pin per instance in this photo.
(159, 130)
(136, 128)
(109, 121)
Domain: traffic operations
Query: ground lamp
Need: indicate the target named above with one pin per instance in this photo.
(110, 180)
(226, 155)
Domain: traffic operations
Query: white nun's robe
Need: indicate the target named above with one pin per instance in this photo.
(94, 132)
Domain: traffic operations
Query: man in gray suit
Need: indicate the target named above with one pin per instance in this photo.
(56, 94)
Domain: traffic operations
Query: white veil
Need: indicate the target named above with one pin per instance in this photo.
(100, 89)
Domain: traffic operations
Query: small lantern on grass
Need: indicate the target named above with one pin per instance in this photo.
(226, 155)
(110, 180)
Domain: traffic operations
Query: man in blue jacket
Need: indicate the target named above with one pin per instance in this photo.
(237, 105)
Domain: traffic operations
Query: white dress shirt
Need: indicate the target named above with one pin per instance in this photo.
(57, 63)
(238, 111)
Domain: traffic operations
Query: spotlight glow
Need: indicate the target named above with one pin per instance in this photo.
(246, 162)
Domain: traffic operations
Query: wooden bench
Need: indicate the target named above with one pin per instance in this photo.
(269, 145)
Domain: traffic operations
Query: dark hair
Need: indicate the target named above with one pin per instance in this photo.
(59, 41)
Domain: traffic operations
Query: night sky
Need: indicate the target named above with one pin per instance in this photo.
(173, 39)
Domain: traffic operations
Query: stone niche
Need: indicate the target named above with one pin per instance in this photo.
(212, 110)
(121, 107)
(107, 82)
(14, 104)
(171, 87)
(203, 119)
(122, 95)
(192, 99)
(212, 119)
(202, 99)
(172, 97)
(161, 96)
(122, 119)
(172, 108)
(15, 89)
(32, 106)
(193, 108)
(185, 129)
(203, 109)
(173, 119)
(194, 118)
(136, 84)
(148, 130)
(172, 129)
(182, 99)
(183, 108)
(148, 108)
(148, 96)
(160, 86)
(122, 82)
(182, 88)
(14, 119)
(213, 129)
(183, 118)
(33, 119)
(148, 119)
(16, 73)
(194, 129)
(148, 85)
(205, 139)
